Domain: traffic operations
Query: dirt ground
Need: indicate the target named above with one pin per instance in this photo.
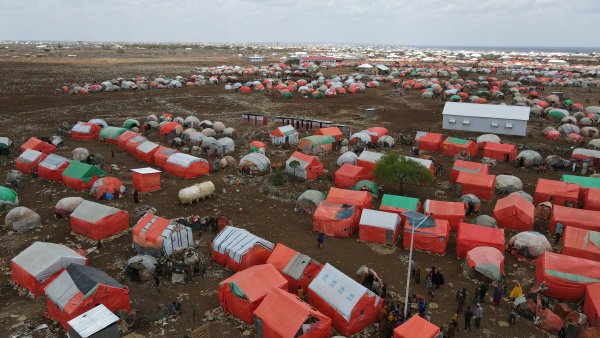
(29, 107)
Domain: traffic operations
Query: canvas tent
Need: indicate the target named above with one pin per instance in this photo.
(316, 144)
(399, 204)
(309, 200)
(85, 131)
(591, 200)
(132, 143)
(514, 212)
(556, 192)
(429, 141)
(453, 212)
(52, 167)
(81, 176)
(348, 175)
(243, 292)
(40, 263)
(238, 249)
(467, 166)
(500, 151)
(486, 261)
(470, 236)
(585, 183)
(581, 243)
(162, 154)
(111, 134)
(591, 304)
(146, 179)
(351, 306)
(28, 161)
(378, 227)
(80, 288)
(416, 327)
(98, 221)
(566, 277)
(124, 137)
(37, 145)
(284, 135)
(528, 245)
(480, 185)
(156, 236)
(360, 199)
(368, 160)
(186, 166)
(336, 219)
(578, 218)
(431, 236)
(298, 320)
(334, 132)
(457, 146)
(255, 163)
(145, 151)
(308, 168)
(298, 269)
(376, 132)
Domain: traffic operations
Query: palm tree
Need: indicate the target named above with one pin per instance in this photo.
(294, 164)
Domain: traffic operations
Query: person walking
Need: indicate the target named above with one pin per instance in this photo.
(512, 317)
(468, 316)
(478, 315)
(136, 197)
(475, 296)
(320, 240)
(461, 296)
(497, 294)
(382, 318)
(483, 289)
(429, 285)
(112, 153)
(454, 321)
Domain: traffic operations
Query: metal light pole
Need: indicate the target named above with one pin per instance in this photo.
(412, 238)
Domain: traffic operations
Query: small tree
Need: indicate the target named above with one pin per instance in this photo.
(395, 169)
(294, 164)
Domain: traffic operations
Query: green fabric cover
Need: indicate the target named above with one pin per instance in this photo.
(571, 276)
(82, 171)
(456, 140)
(369, 185)
(584, 181)
(237, 290)
(111, 133)
(396, 201)
(8, 195)
(320, 139)
(130, 123)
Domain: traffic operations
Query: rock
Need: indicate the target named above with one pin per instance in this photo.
(246, 333)
(503, 323)
(433, 305)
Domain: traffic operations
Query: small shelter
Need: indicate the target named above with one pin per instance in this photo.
(528, 245)
(309, 200)
(187, 166)
(458, 146)
(500, 151)
(298, 320)
(591, 200)
(429, 141)
(28, 161)
(156, 236)
(581, 243)
(348, 175)
(585, 183)
(81, 176)
(8, 198)
(284, 135)
(376, 132)
(52, 167)
(336, 219)
(98, 221)
(40, 263)
(98, 322)
(80, 288)
(591, 305)
(360, 199)
(334, 132)
(556, 192)
(162, 154)
(111, 134)
(298, 269)
(107, 188)
(22, 219)
(145, 151)
(37, 145)
(416, 327)
(83, 131)
(145, 179)
(514, 212)
(255, 163)
(124, 137)
(399, 204)
(470, 236)
(480, 185)
(65, 206)
(368, 160)
(243, 292)
(453, 212)
(351, 306)
(238, 249)
(170, 130)
(132, 143)
(431, 236)
(578, 218)
(308, 167)
(566, 277)
(379, 227)
(467, 166)
(486, 261)
(316, 144)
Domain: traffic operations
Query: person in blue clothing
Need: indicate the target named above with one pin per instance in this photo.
(320, 240)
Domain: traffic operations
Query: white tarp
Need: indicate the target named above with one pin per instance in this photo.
(424, 162)
(53, 162)
(61, 290)
(43, 259)
(370, 156)
(379, 219)
(235, 242)
(81, 127)
(29, 156)
(92, 212)
(146, 147)
(93, 321)
(183, 160)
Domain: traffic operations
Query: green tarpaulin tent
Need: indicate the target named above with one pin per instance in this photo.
(402, 202)
(584, 181)
(370, 186)
(111, 133)
(82, 171)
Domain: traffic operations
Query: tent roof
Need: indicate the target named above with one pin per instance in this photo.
(93, 321)
(397, 201)
(308, 159)
(480, 233)
(235, 242)
(422, 135)
(444, 207)
(53, 161)
(370, 156)
(93, 212)
(256, 281)
(351, 170)
(39, 257)
(82, 170)
(379, 219)
(584, 181)
(469, 166)
(424, 162)
(476, 179)
(319, 139)
(504, 112)
(572, 269)
(358, 198)
(146, 170)
(593, 295)
(331, 131)
(415, 327)
(285, 323)
(147, 146)
(29, 156)
(504, 147)
(552, 187)
(184, 160)
(562, 214)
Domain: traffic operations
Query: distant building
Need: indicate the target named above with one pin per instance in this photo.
(486, 118)
(256, 58)
(325, 60)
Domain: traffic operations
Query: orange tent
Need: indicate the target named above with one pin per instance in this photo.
(132, 143)
(309, 167)
(238, 249)
(592, 199)
(154, 235)
(416, 327)
(591, 305)
(170, 130)
(455, 146)
(123, 138)
(429, 141)
(85, 131)
(162, 154)
(146, 179)
(470, 236)
(348, 175)
(376, 133)
(336, 219)
(368, 160)
(566, 277)
(480, 185)
(578, 218)
(514, 212)
(379, 227)
(360, 199)
(186, 166)
(428, 238)
(243, 292)
(283, 315)
(38, 145)
(28, 161)
(500, 151)
(453, 212)
(468, 166)
(581, 243)
(334, 132)
(145, 151)
(556, 192)
(296, 268)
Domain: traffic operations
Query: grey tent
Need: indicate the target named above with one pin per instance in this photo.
(309, 200)
(22, 219)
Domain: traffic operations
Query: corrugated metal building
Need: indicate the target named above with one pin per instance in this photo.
(486, 118)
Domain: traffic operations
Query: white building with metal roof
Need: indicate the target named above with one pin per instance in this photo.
(486, 118)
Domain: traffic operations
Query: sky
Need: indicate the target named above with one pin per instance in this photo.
(535, 23)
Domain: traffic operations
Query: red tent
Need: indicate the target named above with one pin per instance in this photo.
(38, 145)
(275, 323)
(416, 327)
(187, 166)
(243, 292)
(591, 304)
(52, 167)
(470, 236)
(297, 268)
(336, 219)
(581, 243)
(170, 129)
(453, 212)
(309, 167)
(514, 212)
(468, 166)
(157, 236)
(486, 261)
(85, 131)
(334, 132)
(455, 146)
(358, 198)
(566, 277)
(379, 227)
(146, 179)
(500, 151)
(145, 151)
(368, 159)
(39, 264)
(429, 141)
(79, 288)
(348, 175)
(480, 185)
(238, 249)
(98, 221)
(351, 306)
(107, 185)
(428, 238)
(123, 138)
(162, 154)
(376, 133)
(556, 192)
(591, 199)
(578, 218)
(132, 143)
(28, 161)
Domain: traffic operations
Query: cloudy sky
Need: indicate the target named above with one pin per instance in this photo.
(409, 22)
